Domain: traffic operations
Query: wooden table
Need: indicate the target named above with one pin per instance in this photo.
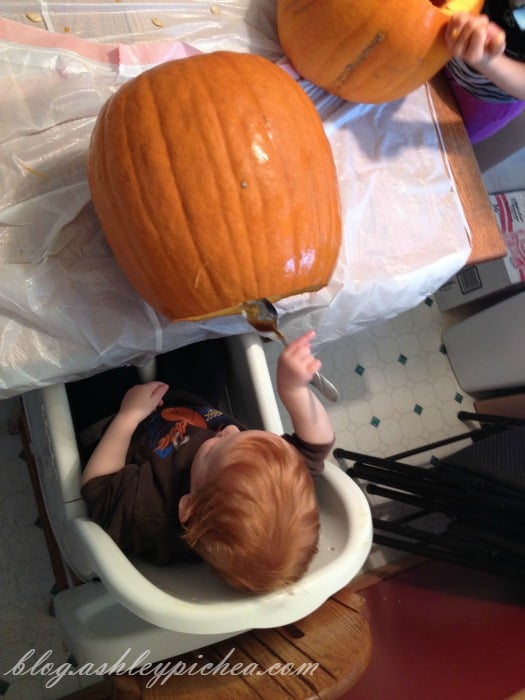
(336, 637)
(330, 650)
(487, 242)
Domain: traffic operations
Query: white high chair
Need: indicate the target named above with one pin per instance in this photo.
(127, 609)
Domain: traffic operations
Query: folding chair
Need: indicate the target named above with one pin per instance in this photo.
(467, 508)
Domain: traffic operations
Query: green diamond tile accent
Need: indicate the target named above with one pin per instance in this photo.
(418, 409)
(429, 301)
(442, 349)
(402, 359)
(4, 687)
(360, 370)
(54, 590)
(458, 398)
(434, 461)
(375, 421)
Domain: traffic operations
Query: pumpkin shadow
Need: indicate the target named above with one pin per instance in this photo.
(376, 132)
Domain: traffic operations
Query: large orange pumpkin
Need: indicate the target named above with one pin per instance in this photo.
(215, 184)
(368, 51)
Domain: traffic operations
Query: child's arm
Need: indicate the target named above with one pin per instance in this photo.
(110, 454)
(481, 43)
(295, 368)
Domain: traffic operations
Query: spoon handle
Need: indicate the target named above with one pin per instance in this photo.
(325, 387)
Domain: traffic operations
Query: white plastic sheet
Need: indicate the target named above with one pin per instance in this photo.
(65, 308)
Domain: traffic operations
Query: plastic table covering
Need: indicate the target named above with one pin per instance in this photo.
(66, 310)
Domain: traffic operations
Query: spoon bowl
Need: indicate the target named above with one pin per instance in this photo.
(262, 315)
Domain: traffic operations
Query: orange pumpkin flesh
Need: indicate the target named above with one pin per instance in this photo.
(214, 184)
(369, 51)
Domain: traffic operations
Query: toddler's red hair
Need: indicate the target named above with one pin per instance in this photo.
(257, 524)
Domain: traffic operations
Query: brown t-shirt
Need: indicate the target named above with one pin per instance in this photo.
(138, 505)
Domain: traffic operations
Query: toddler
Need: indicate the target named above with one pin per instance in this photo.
(174, 479)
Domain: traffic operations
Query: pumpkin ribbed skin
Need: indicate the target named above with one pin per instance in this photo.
(369, 51)
(215, 184)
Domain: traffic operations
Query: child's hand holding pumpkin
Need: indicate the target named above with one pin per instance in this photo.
(474, 38)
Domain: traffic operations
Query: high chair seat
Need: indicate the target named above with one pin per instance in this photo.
(125, 606)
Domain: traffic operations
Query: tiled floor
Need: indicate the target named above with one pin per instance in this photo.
(398, 391)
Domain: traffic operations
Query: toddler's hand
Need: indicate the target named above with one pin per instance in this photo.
(296, 364)
(141, 400)
(474, 38)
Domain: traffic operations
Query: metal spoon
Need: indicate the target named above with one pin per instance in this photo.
(262, 315)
